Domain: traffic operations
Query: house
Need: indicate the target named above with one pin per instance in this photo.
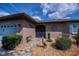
(25, 25)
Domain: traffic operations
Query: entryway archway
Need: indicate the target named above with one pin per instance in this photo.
(40, 31)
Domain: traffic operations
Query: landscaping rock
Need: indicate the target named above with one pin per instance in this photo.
(31, 49)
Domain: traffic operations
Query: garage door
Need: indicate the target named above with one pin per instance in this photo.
(5, 30)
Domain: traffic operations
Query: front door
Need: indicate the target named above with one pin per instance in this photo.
(40, 31)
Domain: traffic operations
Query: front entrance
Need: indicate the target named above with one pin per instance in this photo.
(40, 31)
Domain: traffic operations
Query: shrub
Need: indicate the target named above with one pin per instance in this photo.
(28, 38)
(11, 41)
(63, 43)
(77, 38)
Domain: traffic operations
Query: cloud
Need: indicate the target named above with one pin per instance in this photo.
(59, 10)
(67, 18)
(4, 14)
(37, 18)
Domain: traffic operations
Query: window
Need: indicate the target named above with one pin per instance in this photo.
(74, 25)
(19, 25)
(15, 26)
(8, 26)
(74, 28)
(3, 30)
(11, 25)
(2, 26)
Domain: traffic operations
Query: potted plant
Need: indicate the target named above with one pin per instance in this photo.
(49, 39)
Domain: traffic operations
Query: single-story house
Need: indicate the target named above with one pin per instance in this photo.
(25, 25)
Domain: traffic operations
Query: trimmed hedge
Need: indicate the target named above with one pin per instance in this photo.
(9, 42)
(63, 43)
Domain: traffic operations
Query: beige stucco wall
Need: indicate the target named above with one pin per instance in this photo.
(28, 29)
(56, 29)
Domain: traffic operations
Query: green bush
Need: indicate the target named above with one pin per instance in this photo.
(77, 38)
(11, 41)
(63, 43)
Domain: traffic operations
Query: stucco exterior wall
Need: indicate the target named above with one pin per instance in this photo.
(27, 32)
(28, 29)
(56, 29)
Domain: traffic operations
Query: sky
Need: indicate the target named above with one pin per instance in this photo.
(42, 11)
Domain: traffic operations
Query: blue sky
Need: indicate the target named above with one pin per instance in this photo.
(42, 11)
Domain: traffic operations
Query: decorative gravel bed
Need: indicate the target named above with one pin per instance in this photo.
(20, 50)
(51, 51)
(31, 49)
